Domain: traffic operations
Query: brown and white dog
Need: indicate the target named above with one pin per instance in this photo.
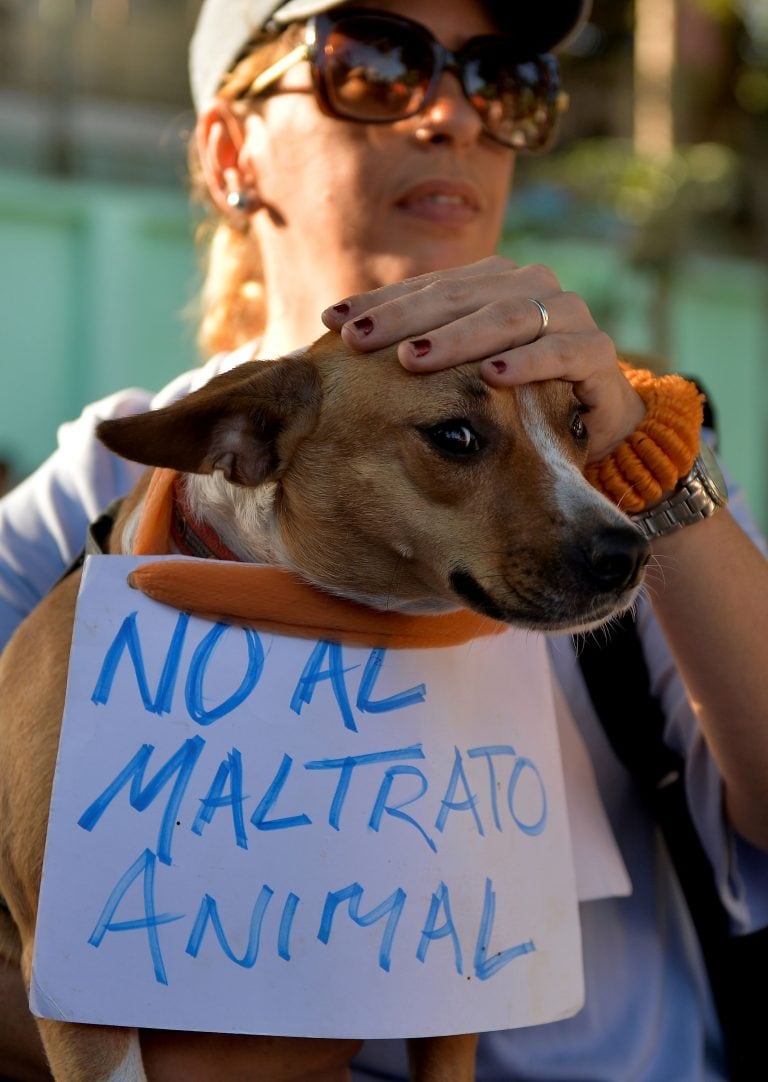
(415, 493)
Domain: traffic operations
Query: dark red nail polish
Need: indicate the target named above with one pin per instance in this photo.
(500, 366)
(364, 325)
(341, 309)
(421, 347)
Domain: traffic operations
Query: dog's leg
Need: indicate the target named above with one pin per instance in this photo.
(31, 716)
(78, 1053)
(207, 1057)
(21, 1050)
(443, 1059)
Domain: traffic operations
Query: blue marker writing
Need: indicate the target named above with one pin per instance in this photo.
(199, 664)
(209, 913)
(487, 966)
(144, 866)
(380, 806)
(489, 751)
(313, 674)
(267, 802)
(537, 825)
(182, 763)
(286, 924)
(127, 638)
(391, 908)
(346, 766)
(441, 899)
(231, 770)
(449, 804)
(399, 701)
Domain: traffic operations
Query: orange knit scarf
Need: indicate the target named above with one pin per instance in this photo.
(662, 449)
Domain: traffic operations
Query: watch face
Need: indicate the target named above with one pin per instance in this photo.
(708, 470)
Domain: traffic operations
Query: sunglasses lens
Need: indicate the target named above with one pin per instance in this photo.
(517, 100)
(378, 69)
(373, 73)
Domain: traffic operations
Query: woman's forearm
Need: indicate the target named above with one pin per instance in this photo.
(709, 591)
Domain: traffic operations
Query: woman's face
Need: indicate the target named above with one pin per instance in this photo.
(352, 206)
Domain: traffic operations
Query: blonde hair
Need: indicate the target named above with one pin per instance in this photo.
(233, 308)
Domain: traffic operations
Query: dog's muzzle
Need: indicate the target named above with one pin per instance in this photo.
(611, 561)
(589, 578)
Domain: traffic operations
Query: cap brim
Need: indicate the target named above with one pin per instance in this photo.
(544, 26)
(547, 26)
(224, 27)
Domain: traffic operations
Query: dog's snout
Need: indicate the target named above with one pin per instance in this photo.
(613, 559)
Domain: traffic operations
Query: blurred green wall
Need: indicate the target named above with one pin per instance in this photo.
(97, 281)
(95, 284)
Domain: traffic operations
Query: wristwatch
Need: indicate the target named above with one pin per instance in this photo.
(696, 497)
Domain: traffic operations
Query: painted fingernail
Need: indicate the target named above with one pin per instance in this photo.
(421, 346)
(341, 309)
(363, 326)
(500, 366)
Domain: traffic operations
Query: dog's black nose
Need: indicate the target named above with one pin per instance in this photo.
(613, 558)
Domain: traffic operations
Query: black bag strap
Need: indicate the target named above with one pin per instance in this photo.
(96, 541)
(618, 681)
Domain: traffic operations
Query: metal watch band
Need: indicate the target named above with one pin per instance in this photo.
(689, 504)
(696, 497)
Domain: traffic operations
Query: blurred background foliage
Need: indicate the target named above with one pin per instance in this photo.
(705, 187)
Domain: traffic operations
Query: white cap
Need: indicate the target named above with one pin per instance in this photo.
(225, 27)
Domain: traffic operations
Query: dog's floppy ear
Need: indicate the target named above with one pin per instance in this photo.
(245, 422)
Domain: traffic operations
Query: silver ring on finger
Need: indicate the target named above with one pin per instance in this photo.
(544, 317)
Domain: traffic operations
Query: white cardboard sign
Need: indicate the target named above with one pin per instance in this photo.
(257, 834)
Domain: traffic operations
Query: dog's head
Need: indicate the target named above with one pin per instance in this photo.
(408, 491)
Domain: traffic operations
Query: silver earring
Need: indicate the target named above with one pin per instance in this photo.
(239, 201)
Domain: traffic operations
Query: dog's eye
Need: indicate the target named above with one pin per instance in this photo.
(578, 428)
(453, 438)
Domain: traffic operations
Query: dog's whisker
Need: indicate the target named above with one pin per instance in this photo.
(655, 572)
(624, 498)
(654, 588)
(392, 595)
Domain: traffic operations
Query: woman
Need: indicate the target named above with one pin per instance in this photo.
(386, 229)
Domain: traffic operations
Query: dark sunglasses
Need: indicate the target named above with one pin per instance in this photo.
(376, 68)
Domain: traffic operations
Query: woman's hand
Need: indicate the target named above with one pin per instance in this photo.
(485, 312)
